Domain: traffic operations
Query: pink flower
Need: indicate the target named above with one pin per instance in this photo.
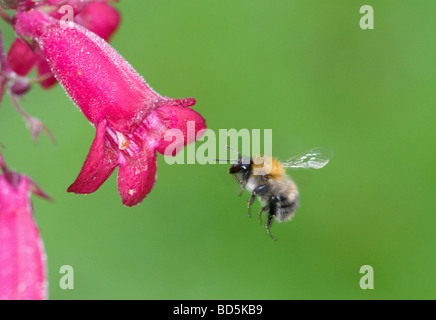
(22, 255)
(131, 119)
(98, 17)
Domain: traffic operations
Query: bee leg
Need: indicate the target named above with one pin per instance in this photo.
(259, 191)
(259, 215)
(241, 184)
(250, 202)
(268, 226)
(236, 178)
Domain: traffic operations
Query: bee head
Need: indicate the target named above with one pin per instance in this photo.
(243, 165)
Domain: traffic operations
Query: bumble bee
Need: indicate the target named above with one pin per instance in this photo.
(266, 179)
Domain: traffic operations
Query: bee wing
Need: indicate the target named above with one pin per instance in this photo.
(315, 158)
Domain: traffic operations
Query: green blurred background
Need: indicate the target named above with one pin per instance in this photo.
(303, 68)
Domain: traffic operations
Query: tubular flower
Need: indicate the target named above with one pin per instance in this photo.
(22, 255)
(98, 17)
(130, 118)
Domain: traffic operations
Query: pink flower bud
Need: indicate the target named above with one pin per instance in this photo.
(100, 18)
(19, 87)
(21, 58)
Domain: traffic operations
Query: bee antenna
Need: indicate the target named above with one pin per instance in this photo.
(236, 151)
(227, 160)
(233, 149)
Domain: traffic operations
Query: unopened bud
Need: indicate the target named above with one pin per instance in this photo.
(19, 87)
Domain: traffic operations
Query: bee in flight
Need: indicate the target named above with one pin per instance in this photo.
(266, 179)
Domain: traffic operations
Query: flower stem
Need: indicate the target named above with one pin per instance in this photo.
(4, 68)
(5, 16)
(3, 166)
(34, 124)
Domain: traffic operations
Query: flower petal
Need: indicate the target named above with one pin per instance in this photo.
(21, 58)
(137, 173)
(188, 121)
(22, 256)
(100, 163)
